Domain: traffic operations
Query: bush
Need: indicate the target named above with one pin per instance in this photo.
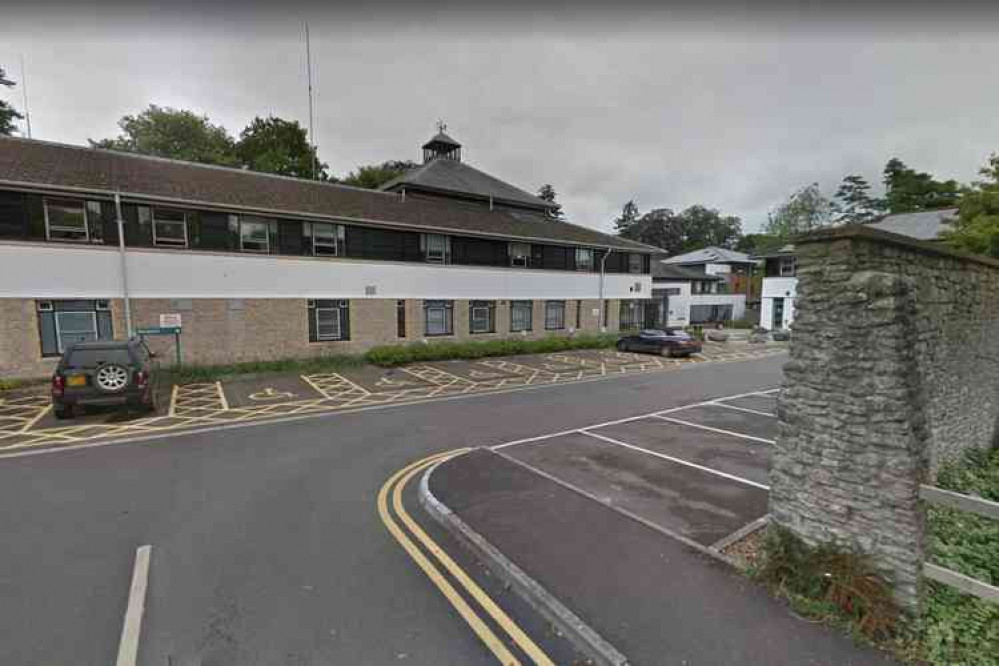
(959, 628)
(192, 374)
(392, 355)
(829, 583)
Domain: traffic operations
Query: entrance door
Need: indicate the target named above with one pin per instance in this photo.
(778, 314)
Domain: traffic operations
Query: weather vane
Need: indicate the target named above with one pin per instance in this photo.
(440, 125)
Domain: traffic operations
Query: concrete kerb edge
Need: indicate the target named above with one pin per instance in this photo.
(740, 533)
(584, 637)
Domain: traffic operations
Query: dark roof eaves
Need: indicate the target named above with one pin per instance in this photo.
(136, 196)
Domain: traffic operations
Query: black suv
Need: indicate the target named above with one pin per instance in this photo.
(105, 373)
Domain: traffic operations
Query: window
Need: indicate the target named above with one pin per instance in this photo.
(672, 291)
(66, 219)
(324, 239)
(520, 254)
(521, 315)
(436, 248)
(438, 317)
(579, 314)
(329, 320)
(254, 234)
(629, 315)
(481, 317)
(635, 263)
(584, 259)
(62, 323)
(703, 287)
(169, 228)
(554, 315)
(400, 319)
(788, 266)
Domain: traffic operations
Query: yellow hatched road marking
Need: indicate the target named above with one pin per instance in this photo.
(173, 400)
(225, 403)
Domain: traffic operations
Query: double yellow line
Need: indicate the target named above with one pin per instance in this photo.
(394, 486)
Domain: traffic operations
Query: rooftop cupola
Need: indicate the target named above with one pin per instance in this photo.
(441, 146)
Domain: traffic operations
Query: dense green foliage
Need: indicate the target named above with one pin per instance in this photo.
(806, 210)
(173, 133)
(676, 233)
(274, 145)
(959, 628)
(547, 193)
(373, 176)
(189, 374)
(977, 227)
(854, 203)
(391, 355)
(8, 114)
(908, 190)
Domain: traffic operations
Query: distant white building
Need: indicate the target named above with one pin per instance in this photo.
(685, 296)
(780, 282)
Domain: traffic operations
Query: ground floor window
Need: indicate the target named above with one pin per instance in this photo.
(705, 314)
(554, 315)
(579, 315)
(329, 320)
(521, 316)
(438, 317)
(630, 313)
(481, 317)
(400, 319)
(62, 323)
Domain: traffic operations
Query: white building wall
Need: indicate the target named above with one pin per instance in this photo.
(679, 306)
(777, 287)
(737, 301)
(40, 270)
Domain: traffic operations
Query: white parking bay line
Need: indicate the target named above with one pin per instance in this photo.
(742, 409)
(710, 429)
(679, 461)
(128, 646)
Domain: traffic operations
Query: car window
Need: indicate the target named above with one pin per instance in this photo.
(91, 358)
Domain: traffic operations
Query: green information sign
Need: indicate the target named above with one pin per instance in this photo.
(163, 330)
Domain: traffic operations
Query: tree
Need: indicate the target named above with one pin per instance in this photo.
(702, 227)
(854, 204)
(547, 193)
(629, 215)
(274, 145)
(758, 243)
(806, 210)
(174, 133)
(976, 228)
(373, 176)
(908, 190)
(8, 114)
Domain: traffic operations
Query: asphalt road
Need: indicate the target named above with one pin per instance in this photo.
(267, 548)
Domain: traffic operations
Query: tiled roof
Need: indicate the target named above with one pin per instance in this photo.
(25, 162)
(711, 255)
(924, 225)
(445, 175)
(667, 272)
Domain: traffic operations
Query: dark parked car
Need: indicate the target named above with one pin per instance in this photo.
(105, 373)
(668, 342)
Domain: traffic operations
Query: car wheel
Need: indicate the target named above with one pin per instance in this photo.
(666, 351)
(622, 346)
(62, 411)
(111, 378)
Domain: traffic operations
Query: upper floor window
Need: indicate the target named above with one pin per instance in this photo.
(584, 259)
(169, 227)
(254, 234)
(635, 263)
(325, 239)
(788, 266)
(520, 254)
(66, 219)
(436, 248)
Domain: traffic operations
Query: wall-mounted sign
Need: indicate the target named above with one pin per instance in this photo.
(172, 320)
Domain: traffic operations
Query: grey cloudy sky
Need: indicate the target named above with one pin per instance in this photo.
(671, 110)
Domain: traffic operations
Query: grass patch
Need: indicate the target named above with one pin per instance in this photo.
(958, 628)
(393, 355)
(192, 374)
(829, 585)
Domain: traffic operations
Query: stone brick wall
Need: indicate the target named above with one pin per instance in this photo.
(894, 369)
(218, 331)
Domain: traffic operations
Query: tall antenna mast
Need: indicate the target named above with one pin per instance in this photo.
(312, 135)
(24, 91)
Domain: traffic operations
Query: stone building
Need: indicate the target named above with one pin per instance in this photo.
(259, 266)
